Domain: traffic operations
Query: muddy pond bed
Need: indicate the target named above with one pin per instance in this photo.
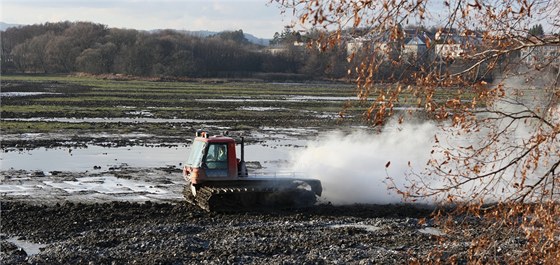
(91, 174)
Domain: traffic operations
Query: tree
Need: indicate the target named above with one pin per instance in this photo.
(235, 36)
(510, 177)
(329, 64)
(97, 60)
(83, 46)
(536, 30)
(15, 36)
(288, 36)
(275, 39)
(61, 54)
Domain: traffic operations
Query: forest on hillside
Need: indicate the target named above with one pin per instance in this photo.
(67, 47)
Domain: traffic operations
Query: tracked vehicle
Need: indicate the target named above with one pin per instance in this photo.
(218, 181)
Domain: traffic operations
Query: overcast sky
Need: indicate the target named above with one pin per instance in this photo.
(252, 16)
(257, 17)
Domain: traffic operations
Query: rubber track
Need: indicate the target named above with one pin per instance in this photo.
(234, 199)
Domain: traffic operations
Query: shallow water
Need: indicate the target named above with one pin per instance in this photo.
(29, 247)
(23, 94)
(101, 174)
(106, 185)
(102, 158)
(368, 228)
(260, 108)
(283, 99)
(114, 120)
(431, 231)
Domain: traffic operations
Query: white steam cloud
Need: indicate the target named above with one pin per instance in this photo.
(352, 167)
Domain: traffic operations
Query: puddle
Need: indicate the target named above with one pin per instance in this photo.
(115, 120)
(85, 159)
(320, 98)
(106, 185)
(284, 99)
(132, 137)
(93, 158)
(431, 231)
(331, 116)
(140, 113)
(17, 190)
(28, 247)
(23, 94)
(260, 108)
(295, 134)
(369, 228)
(99, 174)
(236, 100)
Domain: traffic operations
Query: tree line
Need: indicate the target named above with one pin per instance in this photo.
(66, 47)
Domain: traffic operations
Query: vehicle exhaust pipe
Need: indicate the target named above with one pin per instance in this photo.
(242, 166)
(242, 149)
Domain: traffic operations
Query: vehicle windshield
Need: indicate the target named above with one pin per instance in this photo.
(196, 154)
(216, 158)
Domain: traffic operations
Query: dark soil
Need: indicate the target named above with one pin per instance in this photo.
(150, 233)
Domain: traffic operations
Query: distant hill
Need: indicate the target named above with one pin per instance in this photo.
(255, 40)
(200, 33)
(4, 26)
(205, 33)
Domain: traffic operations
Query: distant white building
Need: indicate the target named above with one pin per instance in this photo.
(415, 48)
(285, 48)
(381, 46)
(452, 44)
(448, 50)
(277, 49)
(355, 45)
(542, 54)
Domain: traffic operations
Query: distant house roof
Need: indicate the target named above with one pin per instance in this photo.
(414, 41)
(416, 37)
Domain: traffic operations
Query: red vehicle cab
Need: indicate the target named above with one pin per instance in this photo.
(211, 158)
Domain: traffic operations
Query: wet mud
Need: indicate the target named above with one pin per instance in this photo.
(138, 216)
(177, 233)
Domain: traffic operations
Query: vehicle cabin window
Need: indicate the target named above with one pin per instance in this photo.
(196, 154)
(216, 157)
